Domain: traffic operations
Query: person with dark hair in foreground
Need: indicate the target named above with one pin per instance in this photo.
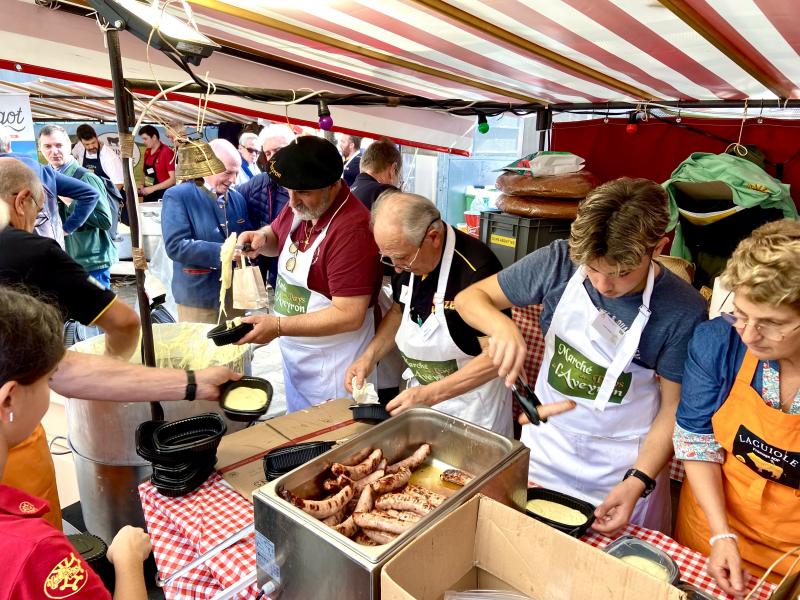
(38, 560)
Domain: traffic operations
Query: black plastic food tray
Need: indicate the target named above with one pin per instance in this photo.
(190, 483)
(282, 460)
(369, 412)
(144, 440)
(580, 505)
(193, 435)
(178, 472)
(251, 382)
(222, 336)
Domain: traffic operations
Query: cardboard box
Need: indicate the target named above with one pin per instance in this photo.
(239, 457)
(486, 545)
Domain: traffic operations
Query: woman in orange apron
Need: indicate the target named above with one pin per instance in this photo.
(738, 425)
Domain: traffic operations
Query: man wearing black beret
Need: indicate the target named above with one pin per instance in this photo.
(328, 274)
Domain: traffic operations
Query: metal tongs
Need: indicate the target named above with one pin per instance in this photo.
(528, 401)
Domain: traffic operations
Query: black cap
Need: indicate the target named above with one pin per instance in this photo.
(307, 163)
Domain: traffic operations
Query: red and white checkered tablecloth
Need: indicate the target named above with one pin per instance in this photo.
(183, 528)
(692, 564)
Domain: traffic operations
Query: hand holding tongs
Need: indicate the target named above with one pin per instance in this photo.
(528, 401)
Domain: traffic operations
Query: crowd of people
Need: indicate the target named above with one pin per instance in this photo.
(368, 277)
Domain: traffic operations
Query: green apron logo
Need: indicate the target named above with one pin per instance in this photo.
(291, 299)
(572, 374)
(429, 371)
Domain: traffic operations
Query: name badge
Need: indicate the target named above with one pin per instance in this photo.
(608, 329)
(429, 327)
(404, 294)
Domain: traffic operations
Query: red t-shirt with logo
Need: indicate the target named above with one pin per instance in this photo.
(38, 561)
(346, 263)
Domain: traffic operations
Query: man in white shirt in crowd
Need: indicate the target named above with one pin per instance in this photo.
(91, 153)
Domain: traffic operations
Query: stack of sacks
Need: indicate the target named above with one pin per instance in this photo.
(544, 185)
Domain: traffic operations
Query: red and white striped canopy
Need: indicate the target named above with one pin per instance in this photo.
(516, 51)
(557, 51)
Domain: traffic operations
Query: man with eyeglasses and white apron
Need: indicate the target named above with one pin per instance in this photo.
(328, 275)
(617, 326)
(447, 367)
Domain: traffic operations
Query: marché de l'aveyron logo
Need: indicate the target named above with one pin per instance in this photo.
(572, 374)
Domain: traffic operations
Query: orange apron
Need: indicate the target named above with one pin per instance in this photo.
(760, 478)
(30, 468)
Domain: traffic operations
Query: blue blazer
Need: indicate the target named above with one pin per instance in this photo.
(193, 225)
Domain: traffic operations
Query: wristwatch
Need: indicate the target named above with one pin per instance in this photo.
(191, 385)
(649, 482)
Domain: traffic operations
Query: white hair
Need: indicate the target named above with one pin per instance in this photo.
(246, 136)
(5, 139)
(414, 213)
(275, 130)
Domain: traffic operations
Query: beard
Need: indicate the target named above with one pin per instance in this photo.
(308, 213)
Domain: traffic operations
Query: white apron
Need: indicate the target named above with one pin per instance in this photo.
(431, 354)
(588, 358)
(313, 367)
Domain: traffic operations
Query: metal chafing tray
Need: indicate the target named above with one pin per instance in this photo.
(303, 558)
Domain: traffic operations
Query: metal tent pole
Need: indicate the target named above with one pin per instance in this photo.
(123, 104)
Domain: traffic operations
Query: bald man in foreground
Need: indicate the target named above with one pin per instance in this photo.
(195, 221)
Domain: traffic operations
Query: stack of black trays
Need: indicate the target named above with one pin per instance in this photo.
(183, 452)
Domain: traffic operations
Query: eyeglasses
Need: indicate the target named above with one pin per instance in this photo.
(251, 150)
(41, 217)
(771, 332)
(291, 263)
(389, 262)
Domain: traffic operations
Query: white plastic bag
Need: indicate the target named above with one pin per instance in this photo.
(555, 163)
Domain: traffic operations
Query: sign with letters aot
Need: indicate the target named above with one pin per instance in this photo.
(15, 114)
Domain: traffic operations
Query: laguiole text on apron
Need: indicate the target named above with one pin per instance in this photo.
(313, 366)
(586, 451)
(431, 355)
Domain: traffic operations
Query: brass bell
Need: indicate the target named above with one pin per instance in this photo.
(195, 159)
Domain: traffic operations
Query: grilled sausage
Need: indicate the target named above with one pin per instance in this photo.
(320, 509)
(347, 528)
(334, 519)
(456, 477)
(402, 515)
(331, 485)
(360, 470)
(424, 493)
(382, 464)
(366, 501)
(363, 539)
(413, 461)
(408, 502)
(379, 537)
(390, 483)
(382, 521)
(358, 457)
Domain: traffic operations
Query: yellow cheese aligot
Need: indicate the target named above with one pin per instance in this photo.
(556, 512)
(245, 398)
(226, 270)
(648, 566)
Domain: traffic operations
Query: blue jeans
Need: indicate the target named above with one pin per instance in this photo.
(103, 277)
